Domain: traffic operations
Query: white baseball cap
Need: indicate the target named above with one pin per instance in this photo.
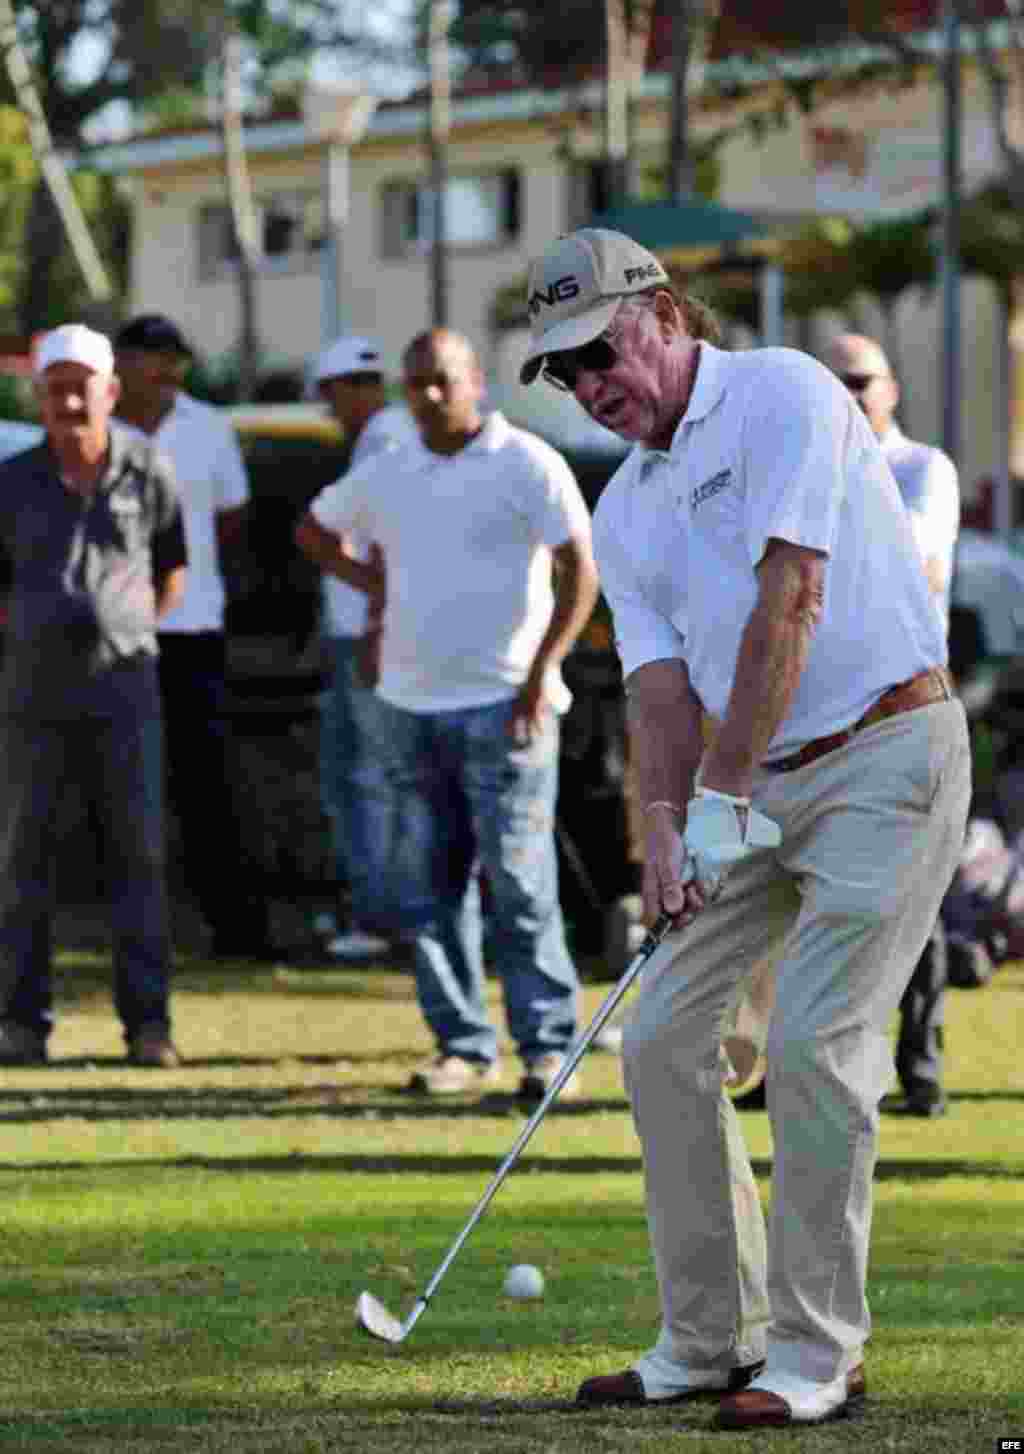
(577, 287)
(350, 354)
(75, 343)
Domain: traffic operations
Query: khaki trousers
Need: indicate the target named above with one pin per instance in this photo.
(871, 837)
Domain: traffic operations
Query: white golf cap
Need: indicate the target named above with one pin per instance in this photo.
(350, 354)
(576, 289)
(75, 343)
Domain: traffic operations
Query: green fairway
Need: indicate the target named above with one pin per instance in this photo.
(182, 1250)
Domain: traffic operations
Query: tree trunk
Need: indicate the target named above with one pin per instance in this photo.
(690, 30)
(54, 213)
(43, 244)
(440, 126)
(616, 104)
(243, 216)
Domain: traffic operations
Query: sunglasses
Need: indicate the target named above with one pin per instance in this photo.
(562, 369)
(857, 383)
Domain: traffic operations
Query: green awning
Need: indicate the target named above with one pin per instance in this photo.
(691, 233)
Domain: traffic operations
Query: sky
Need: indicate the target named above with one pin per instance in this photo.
(384, 18)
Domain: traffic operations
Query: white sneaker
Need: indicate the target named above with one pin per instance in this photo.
(540, 1075)
(324, 925)
(449, 1075)
(608, 1039)
(355, 943)
(776, 1399)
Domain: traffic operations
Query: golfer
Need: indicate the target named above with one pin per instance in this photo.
(761, 568)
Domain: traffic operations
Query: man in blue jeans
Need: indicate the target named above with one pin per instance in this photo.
(349, 378)
(490, 578)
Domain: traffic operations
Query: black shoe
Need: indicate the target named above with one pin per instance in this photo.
(923, 1098)
(20, 1045)
(755, 1099)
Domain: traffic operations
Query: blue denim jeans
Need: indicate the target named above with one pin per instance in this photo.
(354, 788)
(476, 803)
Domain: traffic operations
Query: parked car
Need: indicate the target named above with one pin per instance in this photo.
(272, 619)
(276, 667)
(988, 585)
(16, 435)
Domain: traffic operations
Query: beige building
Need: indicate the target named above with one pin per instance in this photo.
(524, 166)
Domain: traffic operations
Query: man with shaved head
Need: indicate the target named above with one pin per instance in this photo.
(928, 485)
(490, 578)
(926, 477)
(927, 481)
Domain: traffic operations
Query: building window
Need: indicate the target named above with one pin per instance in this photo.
(480, 212)
(290, 227)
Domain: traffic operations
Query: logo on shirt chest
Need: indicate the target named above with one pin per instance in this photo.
(710, 488)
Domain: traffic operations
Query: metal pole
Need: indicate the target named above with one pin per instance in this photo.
(950, 269)
(1002, 504)
(771, 289)
(440, 130)
(336, 197)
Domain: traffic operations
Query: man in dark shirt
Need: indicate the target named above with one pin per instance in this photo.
(92, 528)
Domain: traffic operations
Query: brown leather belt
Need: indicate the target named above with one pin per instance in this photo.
(935, 685)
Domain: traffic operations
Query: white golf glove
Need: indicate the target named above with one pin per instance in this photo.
(722, 829)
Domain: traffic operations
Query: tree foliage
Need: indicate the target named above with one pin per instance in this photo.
(155, 58)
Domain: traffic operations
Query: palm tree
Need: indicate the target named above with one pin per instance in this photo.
(243, 216)
(50, 164)
(889, 257)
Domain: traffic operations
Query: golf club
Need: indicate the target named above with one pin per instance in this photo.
(371, 1314)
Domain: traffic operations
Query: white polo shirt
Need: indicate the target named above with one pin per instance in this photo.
(771, 446)
(344, 606)
(211, 477)
(468, 541)
(930, 489)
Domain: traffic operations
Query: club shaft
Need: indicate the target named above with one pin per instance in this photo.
(573, 1056)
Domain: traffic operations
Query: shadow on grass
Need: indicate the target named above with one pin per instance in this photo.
(25, 1106)
(338, 1099)
(434, 1165)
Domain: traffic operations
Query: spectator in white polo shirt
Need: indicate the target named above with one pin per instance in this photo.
(152, 361)
(349, 377)
(928, 483)
(760, 566)
(472, 522)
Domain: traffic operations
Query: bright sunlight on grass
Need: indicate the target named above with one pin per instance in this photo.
(182, 1249)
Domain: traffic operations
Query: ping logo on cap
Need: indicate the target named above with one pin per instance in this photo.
(649, 270)
(560, 291)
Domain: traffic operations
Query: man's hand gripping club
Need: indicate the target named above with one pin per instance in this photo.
(685, 870)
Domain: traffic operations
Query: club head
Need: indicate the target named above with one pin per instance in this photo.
(373, 1317)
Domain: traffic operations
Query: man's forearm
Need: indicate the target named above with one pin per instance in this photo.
(168, 590)
(770, 661)
(576, 591)
(327, 550)
(772, 655)
(664, 720)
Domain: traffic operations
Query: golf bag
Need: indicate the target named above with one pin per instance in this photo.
(983, 911)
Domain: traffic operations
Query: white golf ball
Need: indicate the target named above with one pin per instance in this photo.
(524, 1281)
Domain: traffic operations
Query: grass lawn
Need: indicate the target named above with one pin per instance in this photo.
(181, 1250)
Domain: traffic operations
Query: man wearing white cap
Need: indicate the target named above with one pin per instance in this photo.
(761, 569)
(92, 527)
(349, 377)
